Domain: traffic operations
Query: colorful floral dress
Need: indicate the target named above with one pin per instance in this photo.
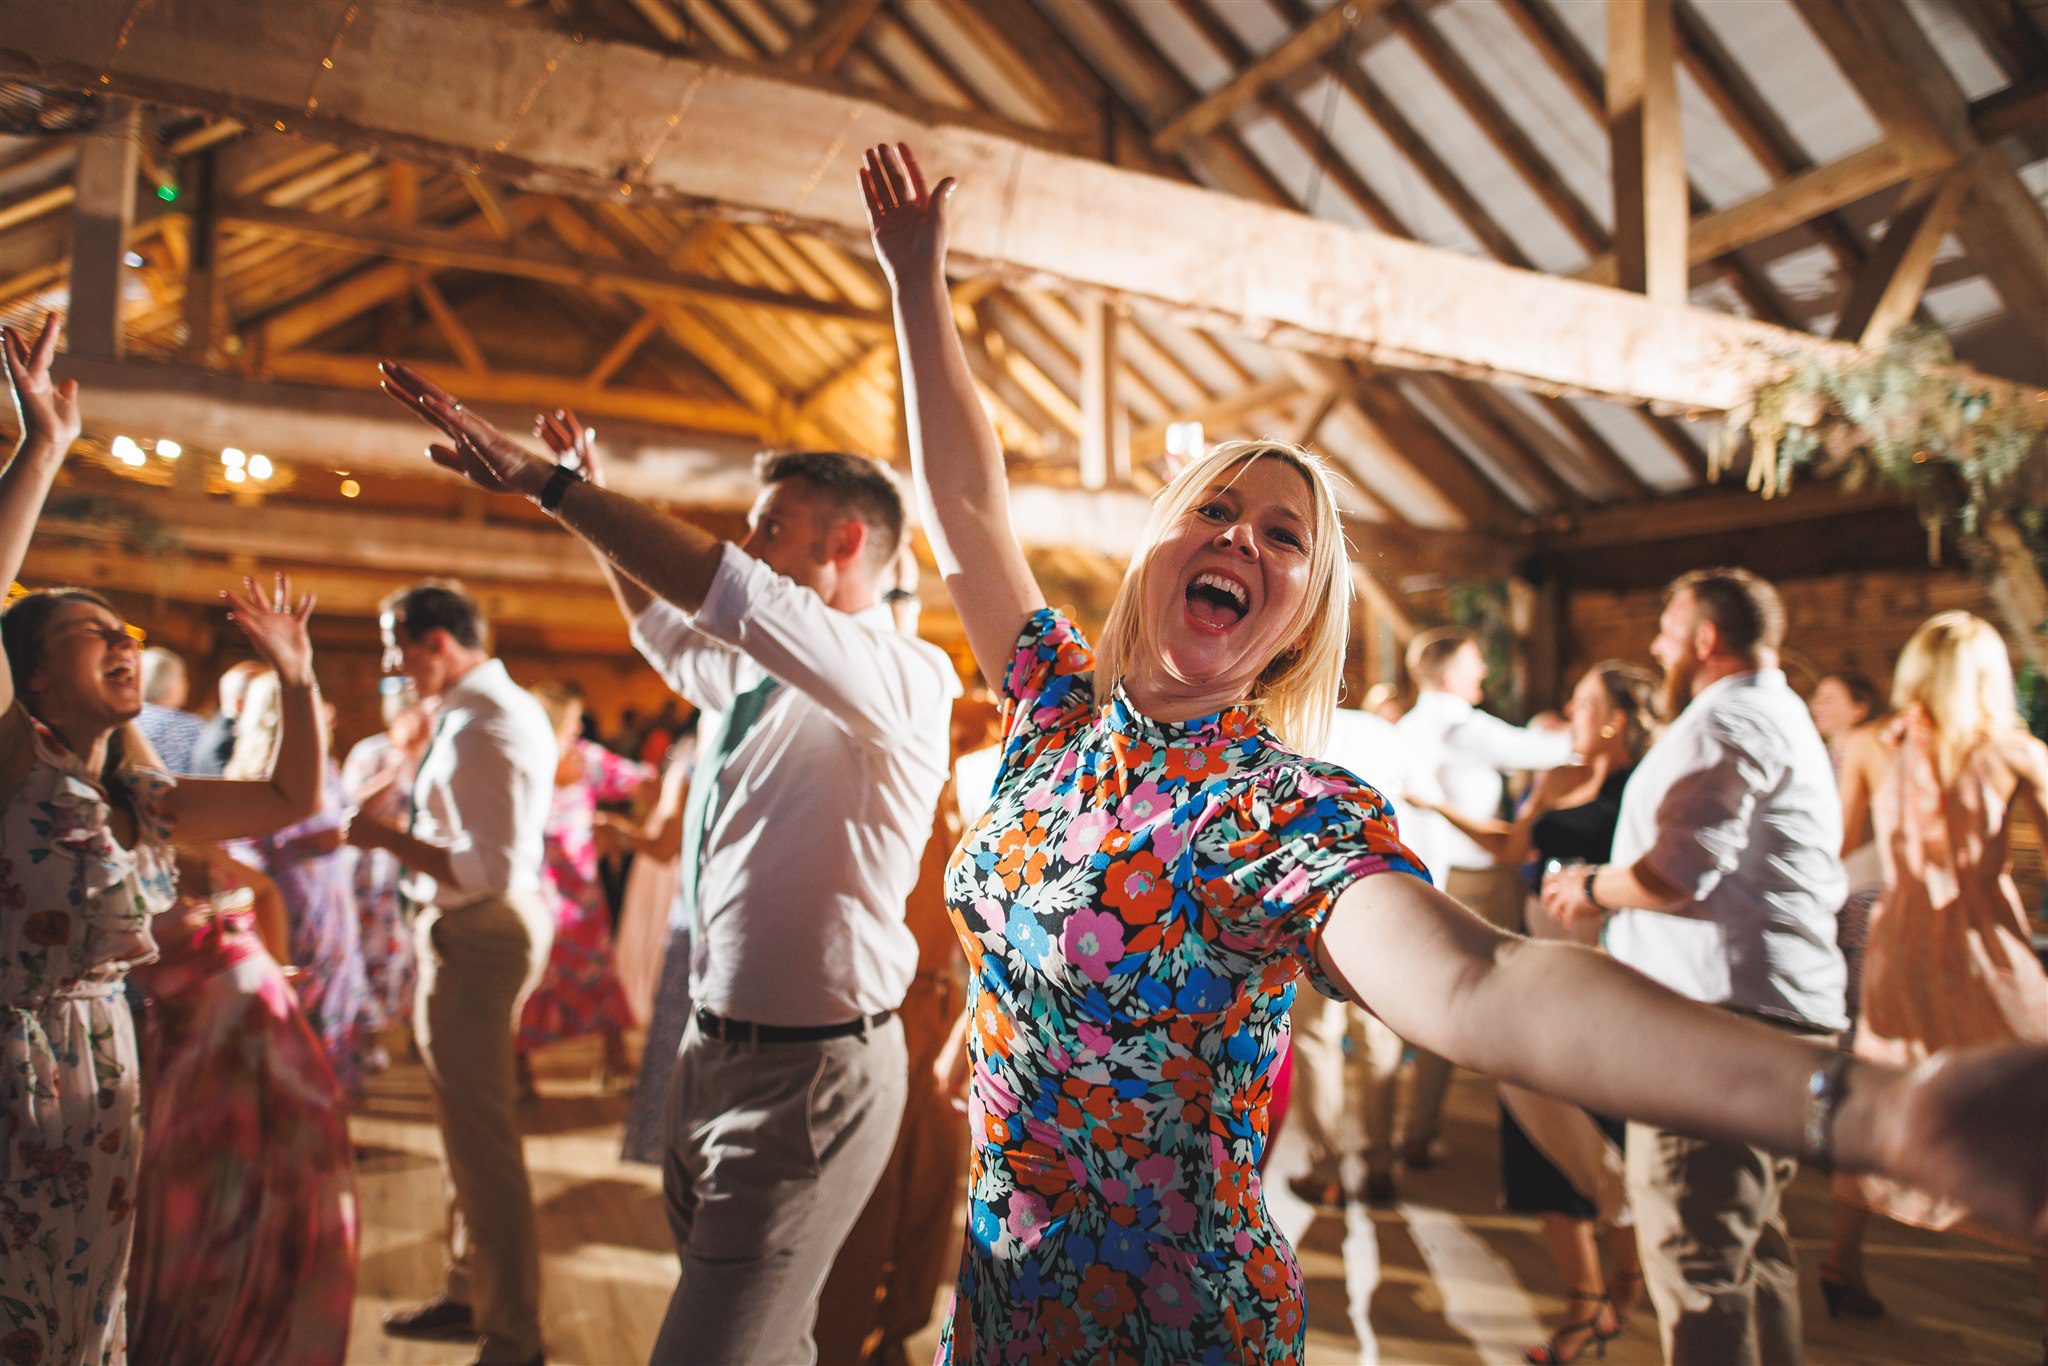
(1135, 905)
(580, 993)
(326, 942)
(384, 935)
(74, 918)
(245, 1225)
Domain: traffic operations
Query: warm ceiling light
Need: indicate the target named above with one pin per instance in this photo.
(350, 488)
(169, 449)
(126, 451)
(260, 467)
(235, 475)
(233, 458)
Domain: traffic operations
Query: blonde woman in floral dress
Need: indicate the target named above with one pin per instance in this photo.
(84, 864)
(1159, 866)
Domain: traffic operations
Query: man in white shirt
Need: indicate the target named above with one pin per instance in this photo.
(1724, 887)
(812, 803)
(474, 850)
(1457, 755)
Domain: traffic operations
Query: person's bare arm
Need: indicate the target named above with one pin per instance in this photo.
(209, 809)
(955, 459)
(572, 442)
(47, 414)
(1573, 1023)
(1865, 747)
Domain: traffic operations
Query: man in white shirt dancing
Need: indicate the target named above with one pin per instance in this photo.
(810, 809)
(474, 848)
(1724, 886)
(1457, 755)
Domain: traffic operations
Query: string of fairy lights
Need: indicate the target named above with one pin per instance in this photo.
(229, 470)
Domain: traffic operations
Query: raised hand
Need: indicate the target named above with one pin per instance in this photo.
(481, 453)
(276, 627)
(46, 410)
(573, 443)
(908, 223)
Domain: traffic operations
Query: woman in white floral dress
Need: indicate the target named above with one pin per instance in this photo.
(85, 816)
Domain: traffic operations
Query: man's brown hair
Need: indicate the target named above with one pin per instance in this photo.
(1745, 609)
(1429, 653)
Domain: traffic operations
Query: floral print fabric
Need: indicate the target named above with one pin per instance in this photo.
(579, 993)
(1136, 904)
(382, 928)
(74, 917)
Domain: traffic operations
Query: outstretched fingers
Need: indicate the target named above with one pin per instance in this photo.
(46, 343)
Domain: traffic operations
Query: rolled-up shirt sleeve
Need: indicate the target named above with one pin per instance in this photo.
(695, 666)
(1704, 822)
(1508, 748)
(875, 683)
(492, 793)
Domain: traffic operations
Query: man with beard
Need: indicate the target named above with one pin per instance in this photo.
(1724, 887)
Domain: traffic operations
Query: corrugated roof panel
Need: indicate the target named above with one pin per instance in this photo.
(1973, 65)
(1380, 164)
(1627, 430)
(1795, 75)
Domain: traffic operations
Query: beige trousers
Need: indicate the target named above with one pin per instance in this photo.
(884, 1284)
(1496, 896)
(476, 965)
(1716, 1256)
(1346, 1068)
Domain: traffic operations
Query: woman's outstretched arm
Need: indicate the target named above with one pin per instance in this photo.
(1575, 1024)
(963, 494)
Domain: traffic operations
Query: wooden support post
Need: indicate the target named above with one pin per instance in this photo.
(101, 217)
(1888, 290)
(1649, 153)
(1105, 427)
(205, 302)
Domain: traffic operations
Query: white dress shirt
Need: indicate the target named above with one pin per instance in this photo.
(825, 805)
(1457, 754)
(483, 790)
(1374, 749)
(1736, 808)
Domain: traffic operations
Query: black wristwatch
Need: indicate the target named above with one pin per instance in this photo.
(1592, 873)
(557, 486)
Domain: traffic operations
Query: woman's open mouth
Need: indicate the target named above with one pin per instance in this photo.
(1216, 602)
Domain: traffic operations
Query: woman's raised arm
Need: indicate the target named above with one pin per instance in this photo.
(963, 493)
(47, 413)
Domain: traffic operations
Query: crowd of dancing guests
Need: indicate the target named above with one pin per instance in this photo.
(1182, 875)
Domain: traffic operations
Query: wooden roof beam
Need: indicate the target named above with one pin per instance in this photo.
(445, 250)
(834, 30)
(758, 146)
(1647, 151)
(1253, 82)
(1909, 88)
(1887, 291)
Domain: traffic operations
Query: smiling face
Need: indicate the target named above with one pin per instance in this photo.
(1223, 591)
(90, 669)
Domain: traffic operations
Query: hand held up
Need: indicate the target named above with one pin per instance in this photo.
(46, 410)
(907, 221)
(481, 453)
(276, 627)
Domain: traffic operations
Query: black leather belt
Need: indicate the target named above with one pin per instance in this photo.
(739, 1031)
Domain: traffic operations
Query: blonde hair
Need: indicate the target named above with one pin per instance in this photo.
(1298, 689)
(1956, 666)
(257, 726)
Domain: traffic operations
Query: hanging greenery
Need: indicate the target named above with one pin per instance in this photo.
(1962, 453)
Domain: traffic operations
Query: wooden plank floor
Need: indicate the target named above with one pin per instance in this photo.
(1442, 1277)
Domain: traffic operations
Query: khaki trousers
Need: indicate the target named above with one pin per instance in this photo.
(773, 1150)
(1717, 1260)
(476, 965)
(885, 1283)
(1496, 896)
(1346, 1068)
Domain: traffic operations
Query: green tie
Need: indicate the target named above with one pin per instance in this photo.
(702, 812)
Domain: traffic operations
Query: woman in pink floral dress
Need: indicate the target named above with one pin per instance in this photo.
(579, 994)
(84, 864)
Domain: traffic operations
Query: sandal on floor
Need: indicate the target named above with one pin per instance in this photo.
(1586, 1331)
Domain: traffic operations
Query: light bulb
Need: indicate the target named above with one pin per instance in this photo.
(260, 467)
(235, 475)
(350, 488)
(169, 449)
(126, 451)
(233, 458)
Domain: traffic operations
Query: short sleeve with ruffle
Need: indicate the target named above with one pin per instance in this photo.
(1306, 835)
(1048, 689)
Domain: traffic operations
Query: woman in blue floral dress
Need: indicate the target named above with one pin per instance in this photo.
(84, 864)
(1158, 867)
